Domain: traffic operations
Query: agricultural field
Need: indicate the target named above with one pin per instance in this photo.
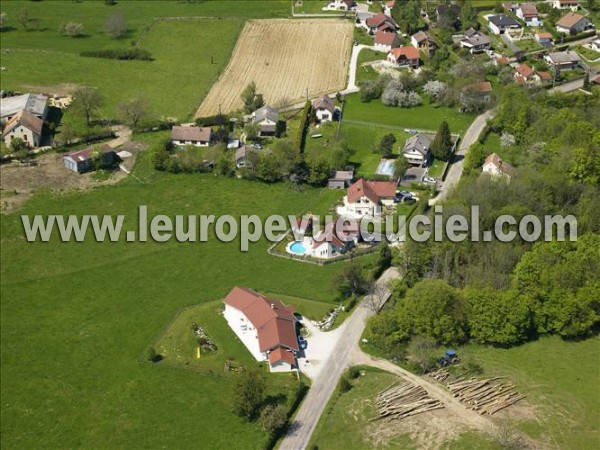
(268, 53)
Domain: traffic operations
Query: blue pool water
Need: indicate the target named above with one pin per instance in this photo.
(385, 168)
(297, 248)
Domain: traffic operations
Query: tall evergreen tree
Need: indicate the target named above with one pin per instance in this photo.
(442, 144)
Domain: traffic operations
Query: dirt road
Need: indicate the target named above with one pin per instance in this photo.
(303, 425)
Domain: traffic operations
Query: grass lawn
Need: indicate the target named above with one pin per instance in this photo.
(587, 53)
(426, 117)
(346, 419)
(76, 317)
(560, 380)
(436, 168)
(364, 73)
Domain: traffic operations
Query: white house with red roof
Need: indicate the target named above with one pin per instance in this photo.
(496, 167)
(381, 22)
(385, 42)
(266, 327)
(368, 198)
(197, 136)
(573, 5)
(404, 56)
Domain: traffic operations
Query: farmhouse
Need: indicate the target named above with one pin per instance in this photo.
(324, 108)
(416, 149)
(341, 179)
(266, 119)
(573, 5)
(25, 126)
(342, 5)
(385, 42)
(266, 327)
(381, 22)
(544, 38)
(475, 41)
(500, 24)
(404, 56)
(573, 23)
(367, 198)
(197, 136)
(423, 42)
(563, 60)
(83, 160)
(528, 13)
(35, 104)
(497, 168)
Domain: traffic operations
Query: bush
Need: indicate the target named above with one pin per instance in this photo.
(303, 129)
(120, 54)
(345, 384)
(209, 121)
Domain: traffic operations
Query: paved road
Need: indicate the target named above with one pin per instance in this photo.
(568, 87)
(456, 167)
(352, 87)
(303, 425)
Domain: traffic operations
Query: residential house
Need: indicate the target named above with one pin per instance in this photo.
(416, 149)
(573, 5)
(84, 160)
(189, 135)
(544, 38)
(367, 198)
(324, 108)
(35, 104)
(497, 168)
(241, 156)
(563, 60)
(423, 42)
(266, 119)
(525, 74)
(25, 126)
(527, 12)
(482, 91)
(511, 7)
(341, 179)
(266, 327)
(331, 242)
(501, 61)
(596, 80)
(385, 42)
(573, 23)
(342, 5)
(595, 45)
(501, 23)
(404, 56)
(381, 22)
(476, 41)
(387, 8)
(361, 19)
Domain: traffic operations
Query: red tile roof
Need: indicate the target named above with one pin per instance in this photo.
(524, 70)
(482, 86)
(280, 354)
(569, 20)
(529, 10)
(379, 19)
(26, 119)
(544, 35)
(385, 38)
(201, 134)
(373, 190)
(408, 52)
(274, 322)
(86, 153)
(545, 76)
(502, 166)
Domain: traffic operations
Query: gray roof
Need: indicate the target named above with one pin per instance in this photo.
(503, 21)
(324, 102)
(179, 133)
(418, 142)
(476, 38)
(33, 103)
(266, 112)
(564, 57)
(343, 175)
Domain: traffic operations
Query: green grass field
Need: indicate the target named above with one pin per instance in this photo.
(76, 317)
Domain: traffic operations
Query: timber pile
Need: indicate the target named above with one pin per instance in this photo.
(439, 375)
(484, 396)
(403, 400)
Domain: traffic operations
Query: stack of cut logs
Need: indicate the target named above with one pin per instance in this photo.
(439, 375)
(484, 396)
(405, 399)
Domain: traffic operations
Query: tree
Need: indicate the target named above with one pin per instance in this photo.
(273, 418)
(23, 18)
(268, 168)
(251, 131)
(384, 260)
(345, 384)
(87, 102)
(252, 100)
(225, 164)
(436, 90)
(318, 169)
(441, 148)
(386, 145)
(248, 393)
(400, 167)
(115, 25)
(474, 158)
(72, 29)
(586, 82)
(421, 352)
(134, 111)
(352, 280)
(17, 144)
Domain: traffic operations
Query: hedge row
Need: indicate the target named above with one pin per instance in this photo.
(209, 121)
(121, 54)
(304, 122)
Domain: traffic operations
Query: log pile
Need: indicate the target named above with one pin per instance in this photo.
(404, 399)
(439, 375)
(484, 396)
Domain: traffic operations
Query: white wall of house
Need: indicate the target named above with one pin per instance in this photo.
(492, 169)
(194, 143)
(578, 27)
(382, 47)
(244, 330)
(414, 156)
(557, 5)
(324, 115)
(364, 207)
(28, 136)
(281, 366)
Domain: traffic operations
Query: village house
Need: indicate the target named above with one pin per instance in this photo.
(385, 42)
(266, 327)
(241, 156)
(494, 166)
(501, 23)
(266, 119)
(324, 108)
(482, 91)
(527, 12)
(382, 23)
(25, 126)
(388, 6)
(476, 41)
(573, 23)
(404, 56)
(341, 179)
(85, 160)
(331, 243)
(501, 61)
(342, 5)
(35, 104)
(510, 7)
(525, 74)
(563, 60)
(544, 38)
(423, 42)
(196, 136)
(416, 149)
(367, 198)
(595, 45)
(573, 5)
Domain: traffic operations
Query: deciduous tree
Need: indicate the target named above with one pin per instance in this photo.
(248, 393)
(87, 101)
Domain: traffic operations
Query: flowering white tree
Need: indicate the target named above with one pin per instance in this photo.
(507, 140)
(435, 89)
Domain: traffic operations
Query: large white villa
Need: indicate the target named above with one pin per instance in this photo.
(335, 239)
(368, 198)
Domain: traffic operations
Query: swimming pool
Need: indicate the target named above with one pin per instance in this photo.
(386, 167)
(297, 248)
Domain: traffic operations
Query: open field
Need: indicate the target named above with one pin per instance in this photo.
(287, 59)
(76, 317)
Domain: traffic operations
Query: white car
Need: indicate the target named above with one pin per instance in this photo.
(428, 180)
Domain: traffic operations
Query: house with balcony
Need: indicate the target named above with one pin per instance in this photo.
(366, 198)
(416, 149)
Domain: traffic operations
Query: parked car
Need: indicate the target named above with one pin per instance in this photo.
(302, 342)
(428, 180)
(258, 146)
(405, 194)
